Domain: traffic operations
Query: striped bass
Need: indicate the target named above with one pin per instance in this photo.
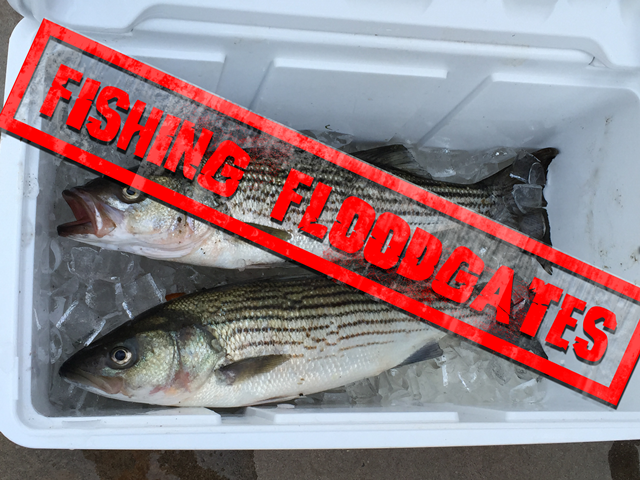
(115, 216)
(252, 343)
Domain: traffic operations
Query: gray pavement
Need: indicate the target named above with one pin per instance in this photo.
(587, 461)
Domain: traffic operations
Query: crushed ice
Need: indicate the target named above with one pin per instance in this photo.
(86, 292)
(443, 164)
(464, 375)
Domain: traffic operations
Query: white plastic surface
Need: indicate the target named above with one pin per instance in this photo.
(505, 73)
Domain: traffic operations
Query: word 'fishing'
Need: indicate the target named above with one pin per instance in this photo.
(175, 140)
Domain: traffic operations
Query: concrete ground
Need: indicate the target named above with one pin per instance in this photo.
(587, 461)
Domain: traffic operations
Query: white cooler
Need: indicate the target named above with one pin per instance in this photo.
(438, 73)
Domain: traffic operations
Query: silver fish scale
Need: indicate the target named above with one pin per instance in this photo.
(328, 335)
(309, 318)
(262, 185)
(265, 178)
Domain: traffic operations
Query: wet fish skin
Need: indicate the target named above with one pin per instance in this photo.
(146, 227)
(250, 344)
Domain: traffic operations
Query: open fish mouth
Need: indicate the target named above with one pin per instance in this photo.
(90, 218)
(110, 386)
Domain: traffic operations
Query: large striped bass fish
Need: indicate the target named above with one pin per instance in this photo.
(116, 216)
(254, 343)
(249, 344)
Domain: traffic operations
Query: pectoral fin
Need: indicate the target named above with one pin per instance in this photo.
(276, 232)
(429, 351)
(249, 367)
(173, 296)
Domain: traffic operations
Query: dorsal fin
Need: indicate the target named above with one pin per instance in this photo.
(393, 157)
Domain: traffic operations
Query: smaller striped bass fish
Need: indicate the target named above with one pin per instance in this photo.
(118, 217)
(250, 344)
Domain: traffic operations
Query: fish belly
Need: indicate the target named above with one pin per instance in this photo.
(321, 369)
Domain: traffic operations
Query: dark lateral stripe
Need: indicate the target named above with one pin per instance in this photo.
(363, 345)
(360, 334)
(318, 340)
(360, 305)
(339, 307)
(343, 186)
(269, 296)
(374, 332)
(270, 343)
(314, 290)
(313, 328)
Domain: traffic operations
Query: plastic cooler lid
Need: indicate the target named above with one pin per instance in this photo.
(606, 30)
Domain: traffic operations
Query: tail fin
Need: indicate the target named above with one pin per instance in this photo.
(521, 199)
(518, 188)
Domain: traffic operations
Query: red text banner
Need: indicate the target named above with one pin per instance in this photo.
(354, 222)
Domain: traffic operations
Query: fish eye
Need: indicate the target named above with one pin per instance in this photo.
(130, 194)
(121, 357)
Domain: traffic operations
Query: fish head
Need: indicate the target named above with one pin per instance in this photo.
(118, 217)
(152, 365)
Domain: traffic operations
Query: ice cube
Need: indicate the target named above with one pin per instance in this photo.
(101, 297)
(399, 397)
(384, 387)
(55, 346)
(469, 354)
(120, 298)
(66, 314)
(445, 375)
(304, 401)
(537, 175)
(85, 263)
(484, 389)
(57, 309)
(163, 273)
(204, 281)
(80, 402)
(523, 373)
(338, 398)
(117, 266)
(51, 247)
(525, 391)
(79, 322)
(528, 198)
(189, 279)
(500, 370)
(468, 378)
(459, 166)
(441, 360)
(36, 319)
(96, 331)
(141, 295)
(363, 392)
(67, 289)
(331, 138)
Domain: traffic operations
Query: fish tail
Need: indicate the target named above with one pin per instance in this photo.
(519, 189)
